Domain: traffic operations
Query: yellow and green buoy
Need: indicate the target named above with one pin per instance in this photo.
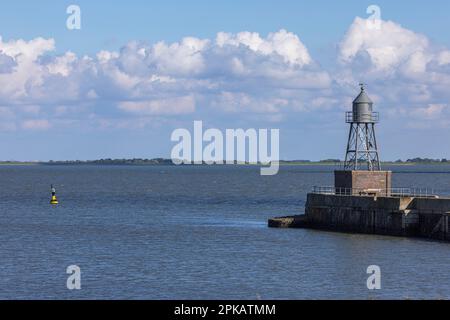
(53, 200)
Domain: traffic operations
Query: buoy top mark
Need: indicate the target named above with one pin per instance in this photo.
(53, 199)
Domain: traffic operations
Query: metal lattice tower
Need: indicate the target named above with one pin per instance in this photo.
(362, 150)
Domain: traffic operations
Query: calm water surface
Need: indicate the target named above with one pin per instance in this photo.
(198, 233)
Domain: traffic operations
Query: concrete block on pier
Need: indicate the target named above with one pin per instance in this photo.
(356, 182)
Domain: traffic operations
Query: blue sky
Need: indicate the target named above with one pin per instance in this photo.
(67, 109)
(109, 25)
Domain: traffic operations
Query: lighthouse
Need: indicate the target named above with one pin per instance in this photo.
(362, 199)
(362, 172)
(362, 149)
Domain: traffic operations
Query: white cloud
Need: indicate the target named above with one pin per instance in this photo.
(6, 112)
(387, 47)
(242, 102)
(28, 71)
(40, 124)
(161, 79)
(171, 106)
(30, 109)
(179, 58)
(269, 76)
(430, 112)
(405, 68)
(62, 65)
(7, 63)
(283, 43)
(444, 57)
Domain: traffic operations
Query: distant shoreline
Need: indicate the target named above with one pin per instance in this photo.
(168, 162)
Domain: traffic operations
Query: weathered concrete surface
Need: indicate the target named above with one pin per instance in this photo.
(407, 216)
(431, 205)
(378, 215)
(366, 202)
(434, 226)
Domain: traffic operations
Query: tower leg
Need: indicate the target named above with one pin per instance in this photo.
(356, 146)
(362, 147)
(347, 153)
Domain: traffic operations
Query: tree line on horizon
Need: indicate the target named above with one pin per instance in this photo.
(163, 161)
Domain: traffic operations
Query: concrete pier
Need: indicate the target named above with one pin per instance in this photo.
(383, 215)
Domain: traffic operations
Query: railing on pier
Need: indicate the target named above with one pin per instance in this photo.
(392, 192)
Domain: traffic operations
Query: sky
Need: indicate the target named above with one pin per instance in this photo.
(137, 70)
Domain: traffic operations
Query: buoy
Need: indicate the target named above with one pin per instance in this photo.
(53, 200)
